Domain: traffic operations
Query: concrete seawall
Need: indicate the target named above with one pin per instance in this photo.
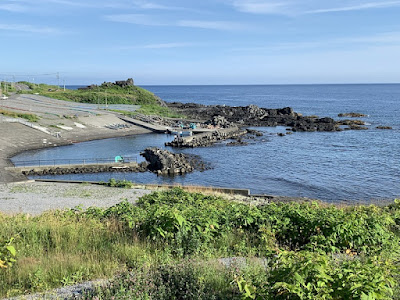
(77, 169)
(233, 191)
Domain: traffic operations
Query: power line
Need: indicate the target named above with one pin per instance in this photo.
(19, 75)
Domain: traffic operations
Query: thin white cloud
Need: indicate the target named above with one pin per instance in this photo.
(157, 46)
(292, 7)
(167, 45)
(72, 3)
(361, 6)
(148, 20)
(151, 5)
(216, 25)
(28, 28)
(261, 7)
(13, 7)
(382, 39)
(138, 19)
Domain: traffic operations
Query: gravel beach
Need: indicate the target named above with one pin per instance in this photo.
(35, 198)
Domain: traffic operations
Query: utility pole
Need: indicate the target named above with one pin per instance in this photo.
(64, 84)
(106, 99)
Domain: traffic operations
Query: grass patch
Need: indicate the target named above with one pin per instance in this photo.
(132, 95)
(29, 117)
(167, 246)
(113, 95)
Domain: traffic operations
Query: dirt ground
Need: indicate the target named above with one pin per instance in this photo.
(35, 198)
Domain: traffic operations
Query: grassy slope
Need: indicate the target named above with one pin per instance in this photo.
(29, 117)
(133, 95)
(171, 239)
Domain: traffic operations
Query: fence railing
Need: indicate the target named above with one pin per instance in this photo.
(72, 161)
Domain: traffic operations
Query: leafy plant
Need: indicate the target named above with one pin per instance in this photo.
(120, 183)
(7, 253)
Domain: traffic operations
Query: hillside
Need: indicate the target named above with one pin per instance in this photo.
(120, 92)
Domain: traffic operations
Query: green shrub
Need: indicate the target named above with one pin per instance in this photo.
(7, 254)
(120, 183)
(181, 280)
(312, 275)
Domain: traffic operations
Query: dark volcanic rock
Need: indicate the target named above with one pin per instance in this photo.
(164, 162)
(350, 122)
(352, 115)
(207, 138)
(237, 142)
(254, 132)
(357, 127)
(219, 122)
(120, 83)
(253, 115)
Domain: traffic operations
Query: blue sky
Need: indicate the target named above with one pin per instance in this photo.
(201, 42)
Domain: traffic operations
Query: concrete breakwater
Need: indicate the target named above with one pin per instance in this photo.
(80, 169)
(161, 162)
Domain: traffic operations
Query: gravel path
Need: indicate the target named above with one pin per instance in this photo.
(36, 197)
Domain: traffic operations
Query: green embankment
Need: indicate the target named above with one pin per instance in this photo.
(6, 87)
(29, 117)
(167, 246)
(102, 94)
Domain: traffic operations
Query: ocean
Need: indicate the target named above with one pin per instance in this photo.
(359, 165)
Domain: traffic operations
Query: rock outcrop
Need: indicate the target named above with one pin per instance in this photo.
(350, 122)
(120, 83)
(207, 138)
(164, 162)
(219, 122)
(253, 115)
(352, 115)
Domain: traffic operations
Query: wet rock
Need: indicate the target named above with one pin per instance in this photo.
(352, 115)
(254, 132)
(164, 162)
(238, 142)
(384, 127)
(357, 127)
(350, 122)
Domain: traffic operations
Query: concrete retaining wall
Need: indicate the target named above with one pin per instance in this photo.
(242, 192)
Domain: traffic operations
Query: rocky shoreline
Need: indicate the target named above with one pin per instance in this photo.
(219, 122)
(253, 115)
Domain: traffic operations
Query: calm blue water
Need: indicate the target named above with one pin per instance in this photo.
(348, 165)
